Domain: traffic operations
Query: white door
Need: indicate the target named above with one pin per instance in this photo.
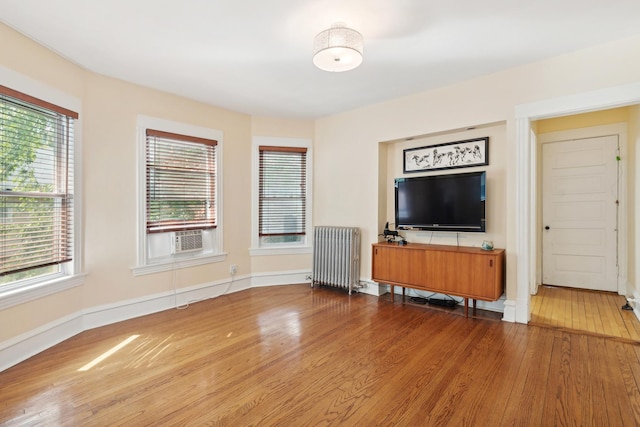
(579, 211)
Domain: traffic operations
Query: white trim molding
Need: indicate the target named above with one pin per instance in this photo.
(526, 173)
(636, 305)
(71, 273)
(370, 287)
(256, 248)
(213, 250)
(11, 296)
(28, 344)
(278, 278)
(619, 130)
(24, 346)
(509, 313)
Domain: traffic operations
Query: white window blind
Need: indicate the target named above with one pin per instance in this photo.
(181, 182)
(36, 171)
(282, 189)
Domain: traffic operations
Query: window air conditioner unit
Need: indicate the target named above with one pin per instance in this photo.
(188, 241)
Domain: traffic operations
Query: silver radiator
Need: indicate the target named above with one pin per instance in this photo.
(336, 257)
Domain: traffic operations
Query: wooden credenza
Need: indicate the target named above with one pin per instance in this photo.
(470, 273)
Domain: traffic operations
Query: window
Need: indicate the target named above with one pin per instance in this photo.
(181, 182)
(36, 197)
(281, 196)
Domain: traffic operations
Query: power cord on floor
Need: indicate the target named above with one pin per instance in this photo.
(421, 299)
(188, 303)
(175, 288)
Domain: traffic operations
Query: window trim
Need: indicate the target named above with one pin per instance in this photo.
(271, 158)
(71, 274)
(279, 249)
(144, 265)
(58, 170)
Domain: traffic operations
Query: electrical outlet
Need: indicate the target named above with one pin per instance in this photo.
(233, 269)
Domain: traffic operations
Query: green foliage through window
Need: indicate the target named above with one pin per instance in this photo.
(36, 198)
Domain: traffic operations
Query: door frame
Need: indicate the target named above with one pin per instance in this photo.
(526, 178)
(620, 130)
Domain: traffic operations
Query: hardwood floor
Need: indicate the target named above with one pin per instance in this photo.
(591, 312)
(295, 356)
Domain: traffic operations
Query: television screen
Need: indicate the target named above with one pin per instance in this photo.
(454, 202)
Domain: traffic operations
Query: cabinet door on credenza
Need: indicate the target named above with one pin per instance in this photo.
(382, 263)
(460, 275)
(436, 269)
(396, 264)
(476, 276)
(491, 275)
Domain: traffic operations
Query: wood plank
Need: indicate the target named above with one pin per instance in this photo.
(291, 355)
(589, 311)
(526, 400)
(582, 312)
(615, 302)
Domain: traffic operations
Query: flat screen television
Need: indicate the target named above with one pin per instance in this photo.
(454, 202)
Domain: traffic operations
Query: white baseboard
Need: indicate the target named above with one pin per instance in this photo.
(124, 310)
(372, 288)
(280, 278)
(509, 314)
(636, 305)
(24, 346)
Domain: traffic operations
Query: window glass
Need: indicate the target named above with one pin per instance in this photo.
(36, 193)
(282, 195)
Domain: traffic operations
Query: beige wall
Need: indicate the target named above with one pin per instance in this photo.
(634, 197)
(285, 128)
(350, 169)
(496, 185)
(111, 108)
(109, 113)
(489, 99)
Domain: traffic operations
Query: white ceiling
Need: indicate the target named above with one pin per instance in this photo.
(254, 56)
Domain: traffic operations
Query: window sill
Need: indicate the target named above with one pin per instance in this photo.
(281, 250)
(172, 264)
(26, 293)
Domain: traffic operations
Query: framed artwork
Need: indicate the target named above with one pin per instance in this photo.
(458, 154)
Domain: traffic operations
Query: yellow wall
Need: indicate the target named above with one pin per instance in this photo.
(576, 121)
(634, 199)
(627, 116)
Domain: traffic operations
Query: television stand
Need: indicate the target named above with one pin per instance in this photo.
(470, 273)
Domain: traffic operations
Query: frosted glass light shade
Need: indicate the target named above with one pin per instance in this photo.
(338, 49)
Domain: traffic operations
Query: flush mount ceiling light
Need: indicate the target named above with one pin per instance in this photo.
(338, 49)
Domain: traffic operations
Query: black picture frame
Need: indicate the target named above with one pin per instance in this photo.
(450, 155)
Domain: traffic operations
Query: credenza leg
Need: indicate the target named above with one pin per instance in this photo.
(392, 292)
(466, 307)
(403, 294)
